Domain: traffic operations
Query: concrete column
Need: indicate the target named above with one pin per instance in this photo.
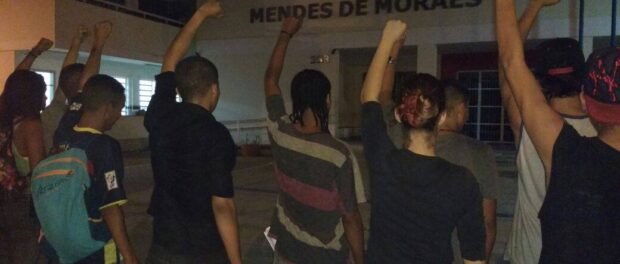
(6, 67)
(588, 46)
(428, 59)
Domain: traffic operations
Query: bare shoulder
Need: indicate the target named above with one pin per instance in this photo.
(29, 125)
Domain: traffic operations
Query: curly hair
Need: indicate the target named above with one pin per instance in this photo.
(23, 96)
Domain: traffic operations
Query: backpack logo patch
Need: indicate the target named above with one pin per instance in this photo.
(110, 180)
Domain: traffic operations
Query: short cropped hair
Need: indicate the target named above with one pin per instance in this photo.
(194, 76)
(69, 79)
(100, 90)
(456, 94)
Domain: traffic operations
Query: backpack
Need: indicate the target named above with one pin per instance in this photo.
(58, 186)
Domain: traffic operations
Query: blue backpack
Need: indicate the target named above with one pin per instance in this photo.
(58, 186)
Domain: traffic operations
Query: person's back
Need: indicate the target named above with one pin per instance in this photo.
(525, 241)
(315, 175)
(92, 113)
(581, 212)
(580, 217)
(418, 199)
(417, 203)
(192, 156)
(316, 219)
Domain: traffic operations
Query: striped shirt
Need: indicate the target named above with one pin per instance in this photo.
(316, 174)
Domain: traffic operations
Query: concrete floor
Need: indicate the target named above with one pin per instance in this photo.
(255, 196)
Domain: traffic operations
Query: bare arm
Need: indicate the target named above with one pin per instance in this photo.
(226, 219)
(290, 26)
(35, 148)
(74, 49)
(354, 230)
(115, 220)
(474, 261)
(490, 224)
(43, 45)
(181, 43)
(542, 123)
(388, 78)
(525, 26)
(102, 32)
(373, 83)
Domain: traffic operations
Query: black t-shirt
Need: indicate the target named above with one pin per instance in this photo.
(580, 218)
(417, 202)
(192, 156)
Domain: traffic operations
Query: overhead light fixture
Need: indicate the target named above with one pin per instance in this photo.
(319, 59)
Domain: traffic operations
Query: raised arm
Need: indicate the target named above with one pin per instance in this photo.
(388, 78)
(542, 123)
(76, 43)
(102, 32)
(43, 45)
(394, 30)
(525, 25)
(290, 26)
(179, 46)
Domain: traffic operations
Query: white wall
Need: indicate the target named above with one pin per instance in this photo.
(132, 37)
(241, 50)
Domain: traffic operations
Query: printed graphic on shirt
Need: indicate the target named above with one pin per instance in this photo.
(110, 180)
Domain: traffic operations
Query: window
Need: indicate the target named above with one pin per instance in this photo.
(48, 78)
(124, 82)
(146, 91)
(487, 117)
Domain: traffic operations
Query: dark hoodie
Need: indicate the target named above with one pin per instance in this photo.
(192, 157)
(417, 201)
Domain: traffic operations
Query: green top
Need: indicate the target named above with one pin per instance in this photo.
(22, 163)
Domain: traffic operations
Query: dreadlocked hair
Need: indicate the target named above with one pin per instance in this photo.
(309, 90)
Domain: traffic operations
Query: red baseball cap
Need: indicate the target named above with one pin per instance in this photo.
(600, 86)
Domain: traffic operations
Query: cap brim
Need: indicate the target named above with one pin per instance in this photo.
(603, 113)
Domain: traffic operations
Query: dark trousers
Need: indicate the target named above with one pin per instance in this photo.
(159, 255)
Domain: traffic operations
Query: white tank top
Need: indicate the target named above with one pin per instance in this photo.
(525, 243)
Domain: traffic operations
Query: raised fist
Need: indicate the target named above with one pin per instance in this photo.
(103, 30)
(291, 25)
(212, 8)
(394, 30)
(43, 45)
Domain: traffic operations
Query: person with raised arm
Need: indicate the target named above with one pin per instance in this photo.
(68, 86)
(581, 211)
(316, 218)
(418, 198)
(559, 69)
(451, 145)
(21, 137)
(95, 108)
(192, 155)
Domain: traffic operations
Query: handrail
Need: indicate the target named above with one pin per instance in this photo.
(134, 12)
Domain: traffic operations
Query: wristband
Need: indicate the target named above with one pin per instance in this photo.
(288, 34)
